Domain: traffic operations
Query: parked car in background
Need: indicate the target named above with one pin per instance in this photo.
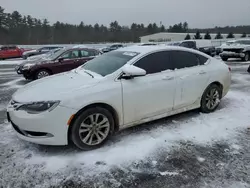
(11, 51)
(61, 61)
(39, 51)
(117, 90)
(173, 43)
(148, 44)
(112, 47)
(49, 53)
(239, 49)
(204, 46)
(219, 49)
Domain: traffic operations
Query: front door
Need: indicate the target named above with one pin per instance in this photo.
(150, 95)
(67, 61)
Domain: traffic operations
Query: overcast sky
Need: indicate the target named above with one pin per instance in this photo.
(198, 13)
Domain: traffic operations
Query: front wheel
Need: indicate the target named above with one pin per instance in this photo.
(211, 98)
(92, 128)
(42, 73)
(246, 58)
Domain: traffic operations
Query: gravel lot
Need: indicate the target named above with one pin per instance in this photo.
(187, 150)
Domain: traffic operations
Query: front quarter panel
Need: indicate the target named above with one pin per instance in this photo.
(107, 92)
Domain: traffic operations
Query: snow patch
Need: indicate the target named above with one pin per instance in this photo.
(11, 62)
(201, 159)
(169, 173)
(203, 129)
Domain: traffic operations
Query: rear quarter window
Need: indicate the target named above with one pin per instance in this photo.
(202, 59)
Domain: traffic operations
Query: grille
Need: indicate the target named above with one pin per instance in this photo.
(233, 50)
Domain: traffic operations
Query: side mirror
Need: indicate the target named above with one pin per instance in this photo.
(60, 59)
(131, 71)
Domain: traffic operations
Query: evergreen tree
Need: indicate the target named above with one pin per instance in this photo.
(230, 35)
(197, 35)
(188, 37)
(244, 35)
(218, 36)
(207, 36)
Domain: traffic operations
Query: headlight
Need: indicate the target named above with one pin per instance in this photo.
(38, 107)
(28, 66)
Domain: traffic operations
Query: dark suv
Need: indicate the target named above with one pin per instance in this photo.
(61, 61)
(204, 46)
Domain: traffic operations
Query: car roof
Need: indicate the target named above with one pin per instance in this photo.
(148, 49)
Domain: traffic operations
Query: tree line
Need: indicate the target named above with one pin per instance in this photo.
(21, 29)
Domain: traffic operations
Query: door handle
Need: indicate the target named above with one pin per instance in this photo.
(168, 78)
(202, 72)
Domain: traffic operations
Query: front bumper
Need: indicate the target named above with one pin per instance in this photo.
(47, 128)
(26, 73)
(232, 55)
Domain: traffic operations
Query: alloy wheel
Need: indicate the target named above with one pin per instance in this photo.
(94, 129)
(42, 74)
(212, 98)
(247, 57)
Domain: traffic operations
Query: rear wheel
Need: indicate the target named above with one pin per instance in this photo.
(92, 128)
(42, 73)
(211, 98)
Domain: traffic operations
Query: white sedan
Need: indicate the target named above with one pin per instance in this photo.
(117, 90)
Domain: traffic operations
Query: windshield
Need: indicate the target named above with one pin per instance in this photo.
(56, 53)
(243, 42)
(108, 63)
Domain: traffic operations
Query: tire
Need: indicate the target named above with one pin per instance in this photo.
(92, 142)
(224, 58)
(42, 73)
(213, 93)
(247, 57)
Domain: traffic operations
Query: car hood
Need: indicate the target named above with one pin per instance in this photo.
(35, 61)
(235, 46)
(56, 87)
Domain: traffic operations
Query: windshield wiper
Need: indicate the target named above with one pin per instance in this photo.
(89, 74)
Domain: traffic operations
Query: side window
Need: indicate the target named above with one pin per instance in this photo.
(84, 53)
(182, 59)
(156, 62)
(202, 59)
(70, 55)
(4, 48)
(12, 48)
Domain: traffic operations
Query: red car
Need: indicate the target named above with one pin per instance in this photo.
(61, 61)
(11, 52)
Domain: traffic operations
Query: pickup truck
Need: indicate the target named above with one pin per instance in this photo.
(239, 49)
(11, 52)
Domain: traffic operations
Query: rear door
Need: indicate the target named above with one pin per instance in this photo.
(191, 75)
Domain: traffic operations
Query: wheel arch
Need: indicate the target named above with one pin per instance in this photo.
(102, 105)
(42, 68)
(219, 84)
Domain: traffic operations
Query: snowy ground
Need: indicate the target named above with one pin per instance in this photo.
(187, 150)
